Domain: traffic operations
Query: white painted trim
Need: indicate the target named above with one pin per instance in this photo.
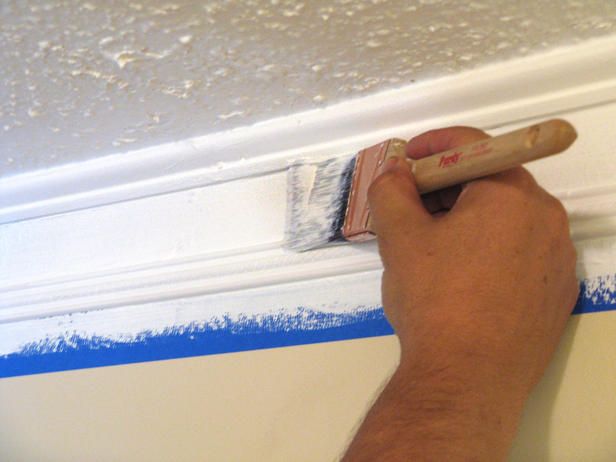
(587, 80)
(569, 77)
(180, 279)
(592, 213)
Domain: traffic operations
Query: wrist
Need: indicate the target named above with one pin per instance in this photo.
(447, 403)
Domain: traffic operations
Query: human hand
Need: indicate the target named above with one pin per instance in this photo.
(479, 296)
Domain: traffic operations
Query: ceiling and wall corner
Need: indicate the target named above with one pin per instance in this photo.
(83, 79)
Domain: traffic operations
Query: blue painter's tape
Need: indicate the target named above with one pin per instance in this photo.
(596, 295)
(279, 329)
(250, 333)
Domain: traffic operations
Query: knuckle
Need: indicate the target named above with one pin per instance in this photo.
(459, 134)
(514, 187)
(375, 189)
(514, 195)
(523, 178)
(469, 134)
(520, 194)
(524, 174)
(558, 213)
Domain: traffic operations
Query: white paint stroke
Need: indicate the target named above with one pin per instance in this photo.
(126, 323)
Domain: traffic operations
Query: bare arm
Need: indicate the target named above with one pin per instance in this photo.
(479, 298)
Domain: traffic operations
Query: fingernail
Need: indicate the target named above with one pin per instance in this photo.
(390, 164)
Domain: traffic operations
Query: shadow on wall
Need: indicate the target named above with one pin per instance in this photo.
(533, 440)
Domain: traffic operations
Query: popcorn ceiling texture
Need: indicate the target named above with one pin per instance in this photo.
(82, 79)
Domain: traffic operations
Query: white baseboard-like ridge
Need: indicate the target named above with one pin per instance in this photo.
(592, 217)
(201, 249)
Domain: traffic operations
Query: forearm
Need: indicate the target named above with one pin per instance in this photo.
(435, 415)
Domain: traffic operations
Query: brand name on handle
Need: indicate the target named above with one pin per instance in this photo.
(450, 159)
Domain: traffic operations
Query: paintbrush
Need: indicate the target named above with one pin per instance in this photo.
(327, 201)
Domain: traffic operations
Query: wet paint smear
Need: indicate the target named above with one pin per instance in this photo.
(226, 335)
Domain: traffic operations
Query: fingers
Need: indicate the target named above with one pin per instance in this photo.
(435, 141)
(395, 205)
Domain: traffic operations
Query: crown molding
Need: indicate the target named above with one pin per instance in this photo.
(504, 94)
(490, 96)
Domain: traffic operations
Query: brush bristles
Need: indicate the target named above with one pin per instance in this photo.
(317, 195)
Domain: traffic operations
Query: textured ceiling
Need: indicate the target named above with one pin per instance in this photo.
(80, 79)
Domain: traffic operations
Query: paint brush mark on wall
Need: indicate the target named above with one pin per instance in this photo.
(179, 336)
(597, 294)
(221, 334)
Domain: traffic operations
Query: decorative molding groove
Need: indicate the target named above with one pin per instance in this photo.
(592, 213)
(569, 77)
(180, 279)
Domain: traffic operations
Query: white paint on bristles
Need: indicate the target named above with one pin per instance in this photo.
(316, 201)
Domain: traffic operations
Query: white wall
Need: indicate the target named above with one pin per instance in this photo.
(300, 403)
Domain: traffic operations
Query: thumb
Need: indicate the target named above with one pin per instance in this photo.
(396, 209)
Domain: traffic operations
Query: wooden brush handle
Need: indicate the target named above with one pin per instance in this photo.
(492, 155)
